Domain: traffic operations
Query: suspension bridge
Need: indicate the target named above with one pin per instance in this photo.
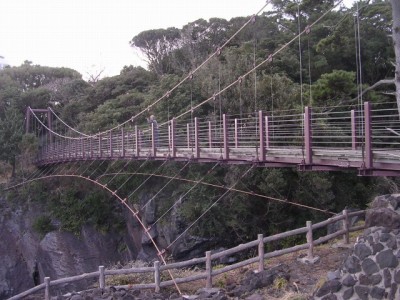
(362, 137)
(365, 140)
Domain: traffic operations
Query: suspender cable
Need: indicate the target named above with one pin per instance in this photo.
(229, 189)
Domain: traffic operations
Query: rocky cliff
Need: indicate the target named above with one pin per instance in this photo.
(372, 270)
(26, 257)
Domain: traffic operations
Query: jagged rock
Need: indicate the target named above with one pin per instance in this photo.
(375, 279)
(382, 217)
(387, 278)
(349, 280)
(352, 264)
(333, 275)
(386, 259)
(365, 280)
(362, 292)
(256, 280)
(369, 266)
(329, 297)
(393, 290)
(347, 294)
(396, 276)
(362, 251)
(377, 292)
(330, 286)
(377, 247)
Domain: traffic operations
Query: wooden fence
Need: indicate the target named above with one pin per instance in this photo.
(209, 273)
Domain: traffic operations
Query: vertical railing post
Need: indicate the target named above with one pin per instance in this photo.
(100, 146)
(310, 241)
(83, 147)
(111, 143)
(308, 135)
(260, 253)
(91, 147)
(196, 138)
(173, 138)
(346, 238)
(153, 139)
(102, 277)
(236, 134)
(122, 142)
(69, 148)
(209, 134)
(76, 142)
(208, 270)
(47, 288)
(266, 133)
(226, 137)
(50, 124)
(261, 136)
(368, 136)
(188, 135)
(137, 142)
(157, 276)
(353, 130)
(27, 119)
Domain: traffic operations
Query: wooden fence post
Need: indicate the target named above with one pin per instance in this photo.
(208, 270)
(102, 278)
(157, 276)
(346, 238)
(310, 240)
(260, 253)
(47, 288)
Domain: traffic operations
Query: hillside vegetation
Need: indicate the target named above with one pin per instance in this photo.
(326, 75)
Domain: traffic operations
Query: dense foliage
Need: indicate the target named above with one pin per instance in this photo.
(326, 75)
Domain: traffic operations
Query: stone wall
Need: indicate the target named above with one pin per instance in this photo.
(372, 270)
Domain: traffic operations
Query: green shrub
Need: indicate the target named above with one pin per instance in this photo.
(43, 225)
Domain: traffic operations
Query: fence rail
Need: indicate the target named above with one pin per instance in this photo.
(366, 139)
(209, 272)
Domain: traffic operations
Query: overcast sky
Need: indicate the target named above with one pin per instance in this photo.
(89, 35)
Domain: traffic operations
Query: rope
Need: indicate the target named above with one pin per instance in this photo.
(211, 206)
(185, 194)
(160, 190)
(260, 64)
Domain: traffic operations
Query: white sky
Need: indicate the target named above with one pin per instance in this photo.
(90, 35)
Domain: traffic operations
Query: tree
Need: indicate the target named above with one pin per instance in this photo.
(396, 42)
(157, 45)
(11, 130)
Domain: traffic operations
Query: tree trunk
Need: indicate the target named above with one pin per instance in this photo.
(396, 42)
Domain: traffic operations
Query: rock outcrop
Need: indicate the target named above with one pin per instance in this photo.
(372, 271)
(26, 257)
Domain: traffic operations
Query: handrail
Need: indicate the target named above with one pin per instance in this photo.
(209, 272)
(370, 149)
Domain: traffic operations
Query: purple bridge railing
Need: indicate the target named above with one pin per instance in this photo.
(366, 140)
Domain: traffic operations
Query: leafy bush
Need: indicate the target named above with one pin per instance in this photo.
(43, 225)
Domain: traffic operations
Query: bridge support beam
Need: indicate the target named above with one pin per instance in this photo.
(153, 140)
(50, 125)
(261, 136)
(307, 163)
(111, 143)
(27, 119)
(137, 142)
(226, 137)
(353, 130)
(266, 133)
(122, 142)
(91, 147)
(196, 138)
(173, 138)
(99, 153)
(368, 136)
(209, 134)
